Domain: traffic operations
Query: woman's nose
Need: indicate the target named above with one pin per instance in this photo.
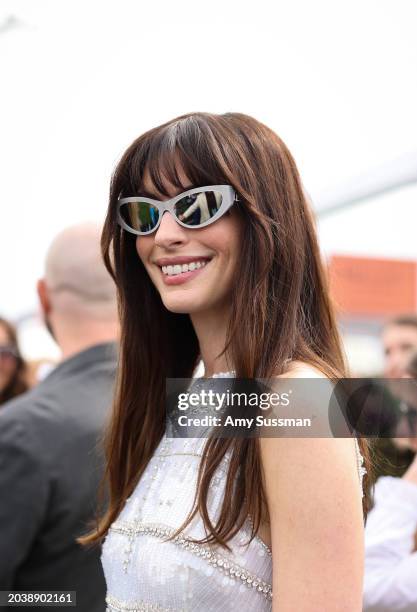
(169, 232)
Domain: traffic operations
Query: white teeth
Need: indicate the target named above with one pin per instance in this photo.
(180, 268)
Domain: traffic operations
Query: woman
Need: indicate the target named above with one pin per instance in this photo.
(391, 531)
(245, 292)
(12, 367)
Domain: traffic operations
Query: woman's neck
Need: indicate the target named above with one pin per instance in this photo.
(211, 329)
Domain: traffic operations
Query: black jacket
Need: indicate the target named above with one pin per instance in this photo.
(50, 466)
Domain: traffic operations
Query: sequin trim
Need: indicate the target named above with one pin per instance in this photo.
(259, 539)
(361, 468)
(117, 605)
(202, 550)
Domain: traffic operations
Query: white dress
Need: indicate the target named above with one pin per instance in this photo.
(144, 572)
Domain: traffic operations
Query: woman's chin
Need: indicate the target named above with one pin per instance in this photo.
(184, 304)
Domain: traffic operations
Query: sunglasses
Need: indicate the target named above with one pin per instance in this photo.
(194, 208)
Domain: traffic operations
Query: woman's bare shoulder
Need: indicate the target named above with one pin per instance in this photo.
(301, 369)
(286, 455)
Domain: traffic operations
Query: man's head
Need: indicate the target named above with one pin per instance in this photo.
(399, 339)
(77, 295)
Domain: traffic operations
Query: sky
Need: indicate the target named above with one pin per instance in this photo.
(81, 80)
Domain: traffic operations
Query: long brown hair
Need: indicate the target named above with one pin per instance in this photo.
(280, 275)
(18, 383)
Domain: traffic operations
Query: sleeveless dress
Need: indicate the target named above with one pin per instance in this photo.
(144, 572)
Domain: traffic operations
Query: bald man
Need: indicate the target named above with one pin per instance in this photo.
(50, 453)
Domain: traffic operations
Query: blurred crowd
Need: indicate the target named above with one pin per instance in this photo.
(52, 421)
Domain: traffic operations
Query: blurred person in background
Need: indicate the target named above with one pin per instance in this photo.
(399, 341)
(12, 366)
(391, 536)
(411, 369)
(50, 463)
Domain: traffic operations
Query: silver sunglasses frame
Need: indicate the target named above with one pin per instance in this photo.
(229, 197)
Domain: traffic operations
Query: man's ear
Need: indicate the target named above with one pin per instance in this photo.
(43, 295)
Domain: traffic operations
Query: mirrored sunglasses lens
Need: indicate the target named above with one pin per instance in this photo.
(197, 208)
(139, 216)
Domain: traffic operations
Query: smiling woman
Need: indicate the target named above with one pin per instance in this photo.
(212, 245)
